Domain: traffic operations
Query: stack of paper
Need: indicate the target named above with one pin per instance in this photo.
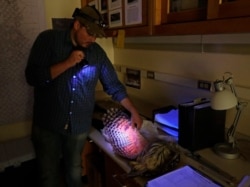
(168, 122)
(185, 176)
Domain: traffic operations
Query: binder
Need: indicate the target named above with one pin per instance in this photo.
(200, 126)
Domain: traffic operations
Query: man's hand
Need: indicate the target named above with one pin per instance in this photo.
(136, 120)
(75, 57)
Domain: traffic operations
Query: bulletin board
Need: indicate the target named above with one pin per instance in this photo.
(20, 23)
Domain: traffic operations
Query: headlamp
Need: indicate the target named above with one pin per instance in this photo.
(100, 22)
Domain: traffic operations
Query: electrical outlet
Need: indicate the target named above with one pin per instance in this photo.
(204, 85)
(150, 75)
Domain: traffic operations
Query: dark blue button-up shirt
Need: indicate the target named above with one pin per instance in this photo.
(70, 97)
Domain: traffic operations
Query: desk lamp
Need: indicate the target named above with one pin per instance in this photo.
(224, 99)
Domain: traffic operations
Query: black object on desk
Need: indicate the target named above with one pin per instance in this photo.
(200, 126)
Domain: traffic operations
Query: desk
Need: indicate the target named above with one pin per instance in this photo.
(227, 172)
(236, 168)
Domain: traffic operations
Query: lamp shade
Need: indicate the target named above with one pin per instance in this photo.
(223, 100)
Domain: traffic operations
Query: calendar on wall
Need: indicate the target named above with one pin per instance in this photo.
(20, 23)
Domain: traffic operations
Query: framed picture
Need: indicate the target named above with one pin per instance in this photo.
(133, 78)
(114, 4)
(103, 6)
(133, 12)
(115, 18)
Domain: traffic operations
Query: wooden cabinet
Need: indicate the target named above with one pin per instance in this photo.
(93, 164)
(89, 148)
(114, 175)
(215, 17)
(228, 9)
(160, 18)
(175, 11)
(102, 171)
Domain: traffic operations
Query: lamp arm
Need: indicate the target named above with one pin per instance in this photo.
(239, 107)
(231, 130)
(229, 81)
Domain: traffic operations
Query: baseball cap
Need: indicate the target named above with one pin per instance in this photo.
(90, 17)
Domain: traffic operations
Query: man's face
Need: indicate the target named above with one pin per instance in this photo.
(81, 35)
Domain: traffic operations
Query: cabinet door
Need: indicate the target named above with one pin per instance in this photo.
(211, 17)
(89, 148)
(174, 11)
(179, 11)
(219, 9)
(114, 175)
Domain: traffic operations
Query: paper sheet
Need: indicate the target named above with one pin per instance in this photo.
(245, 182)
(169, 119)
(184, 177)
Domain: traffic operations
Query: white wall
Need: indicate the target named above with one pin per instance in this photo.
(191, 58)
(60, 9)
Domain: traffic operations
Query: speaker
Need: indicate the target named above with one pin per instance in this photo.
(200, 126)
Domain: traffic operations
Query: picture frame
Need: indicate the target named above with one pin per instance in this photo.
(133, 12)
(103, 6)
(133, 78)
(114, 4)
(115, 18)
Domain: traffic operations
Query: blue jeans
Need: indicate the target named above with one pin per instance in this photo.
(50, 147)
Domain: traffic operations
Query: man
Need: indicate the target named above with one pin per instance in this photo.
(64, 67)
